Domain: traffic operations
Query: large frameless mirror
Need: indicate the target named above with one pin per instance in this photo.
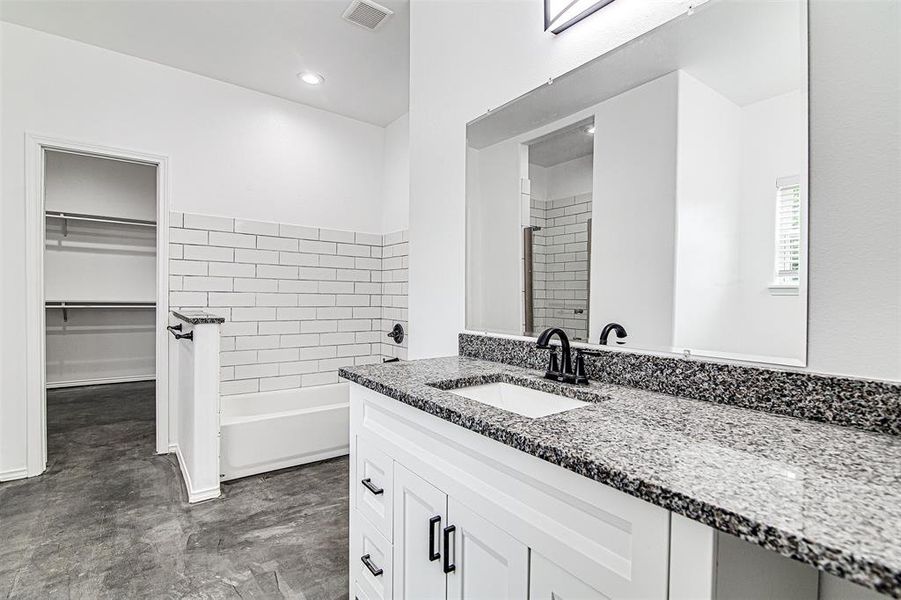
(656, 197)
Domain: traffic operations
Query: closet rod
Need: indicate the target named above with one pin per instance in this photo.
(99, 219)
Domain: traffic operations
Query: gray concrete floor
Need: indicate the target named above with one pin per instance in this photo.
(109, 519)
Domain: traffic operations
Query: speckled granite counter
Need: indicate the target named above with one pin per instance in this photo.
(828, 496)
(197, 317)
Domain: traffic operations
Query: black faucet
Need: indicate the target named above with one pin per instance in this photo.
(615, 327)
(554, 371)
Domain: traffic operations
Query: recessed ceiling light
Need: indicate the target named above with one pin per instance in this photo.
(311, 78)
(590, 130)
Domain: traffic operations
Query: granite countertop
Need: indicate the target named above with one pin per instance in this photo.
(197, 317)
(825, 495)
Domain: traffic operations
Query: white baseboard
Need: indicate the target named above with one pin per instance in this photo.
(194, 495)
(204, 495)
(13, 474)
(102, 381)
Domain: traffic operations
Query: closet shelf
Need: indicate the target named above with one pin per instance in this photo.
(66, 216)
(65, 306)
(103, 304)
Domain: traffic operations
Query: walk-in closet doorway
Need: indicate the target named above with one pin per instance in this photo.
(97, 234)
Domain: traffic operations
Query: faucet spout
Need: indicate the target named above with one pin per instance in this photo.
(566, 372)
(614, 327)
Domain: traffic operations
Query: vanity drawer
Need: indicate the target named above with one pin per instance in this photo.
(359, 593)
(375, 486)
(370, 561)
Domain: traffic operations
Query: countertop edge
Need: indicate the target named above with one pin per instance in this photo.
(835, 561)
(197, 318)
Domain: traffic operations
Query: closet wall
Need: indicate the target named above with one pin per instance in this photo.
(103, 272)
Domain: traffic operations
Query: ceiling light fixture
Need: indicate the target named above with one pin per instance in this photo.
(311, 78)
(590, 130)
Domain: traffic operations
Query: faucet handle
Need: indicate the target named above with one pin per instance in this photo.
(553, 368)
(579, 375)
(588, 352)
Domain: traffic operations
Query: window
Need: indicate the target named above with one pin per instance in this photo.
(787, 275)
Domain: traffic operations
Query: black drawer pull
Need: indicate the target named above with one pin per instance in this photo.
(367, 483)
(432, 554)
(448, 565)
(372, 568)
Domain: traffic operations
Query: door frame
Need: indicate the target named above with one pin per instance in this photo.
(35, 353)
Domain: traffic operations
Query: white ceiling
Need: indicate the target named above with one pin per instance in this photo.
(257, 44)
(563, 145)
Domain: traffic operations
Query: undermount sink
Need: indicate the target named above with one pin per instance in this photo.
(520, 400)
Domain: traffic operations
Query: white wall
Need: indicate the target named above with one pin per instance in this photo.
(729, 159)
(232, 152)
(500, 52)
(569, 178)
(97, 186)
(772, 147)
(855, 175)
(538, 182)
(633, 225)
(99, 261)
(396, 206)
(708, 195)
(100, 346)
(495, 263)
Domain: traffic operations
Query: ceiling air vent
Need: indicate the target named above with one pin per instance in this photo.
(368, 14)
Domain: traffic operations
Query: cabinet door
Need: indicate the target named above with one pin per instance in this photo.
(487, 562)
(420, 511)
(547, 581)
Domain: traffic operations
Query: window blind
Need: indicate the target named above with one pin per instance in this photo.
(788, 231)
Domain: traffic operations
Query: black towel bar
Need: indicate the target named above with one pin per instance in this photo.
(174, 329)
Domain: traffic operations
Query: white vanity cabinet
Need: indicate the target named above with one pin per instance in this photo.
(442, 549)
(420, 484)
(439, 511)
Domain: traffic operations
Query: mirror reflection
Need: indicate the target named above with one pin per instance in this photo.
(656, 197)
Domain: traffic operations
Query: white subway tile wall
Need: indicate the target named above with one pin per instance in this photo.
(299, 302)
(560, 275)
(395, 284)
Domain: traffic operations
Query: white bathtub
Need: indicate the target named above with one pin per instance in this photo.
(274, 430)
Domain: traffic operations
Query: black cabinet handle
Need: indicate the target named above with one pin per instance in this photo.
(376, 490)
(432, 522)
(448, 565)
(372, 568)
